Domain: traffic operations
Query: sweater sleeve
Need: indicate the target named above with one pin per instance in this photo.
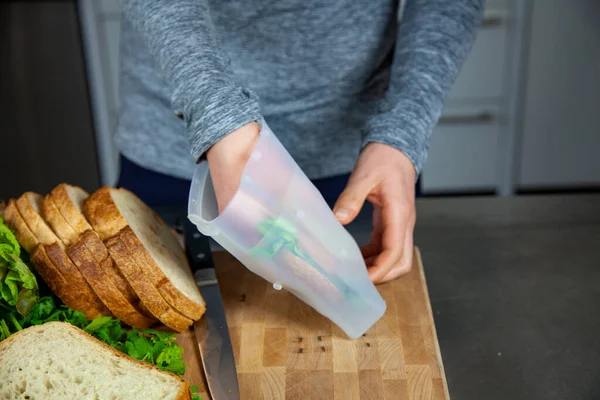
(181, 37)
(434, 39)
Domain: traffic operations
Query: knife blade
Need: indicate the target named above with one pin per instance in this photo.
(211, 330)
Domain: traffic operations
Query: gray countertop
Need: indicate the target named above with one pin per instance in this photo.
(514, 286)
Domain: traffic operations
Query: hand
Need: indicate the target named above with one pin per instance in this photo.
(386, 178)
(227, 159)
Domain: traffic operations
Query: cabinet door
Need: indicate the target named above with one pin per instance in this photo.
(463, 152)
(561, 126)
(482, 75)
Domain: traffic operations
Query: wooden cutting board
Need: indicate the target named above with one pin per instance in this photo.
(286, 350)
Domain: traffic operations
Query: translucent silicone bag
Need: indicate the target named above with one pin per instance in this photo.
(279, 226)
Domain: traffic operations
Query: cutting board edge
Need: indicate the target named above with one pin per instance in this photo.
(417, 253)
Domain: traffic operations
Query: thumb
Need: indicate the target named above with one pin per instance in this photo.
(351, 200)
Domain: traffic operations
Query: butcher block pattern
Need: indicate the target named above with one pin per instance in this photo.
(286, 350)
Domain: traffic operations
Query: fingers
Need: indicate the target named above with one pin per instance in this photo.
(405, 264)
(394, 221)
(374, 246)
(352, 199)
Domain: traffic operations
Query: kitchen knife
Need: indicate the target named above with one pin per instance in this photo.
(211, 330)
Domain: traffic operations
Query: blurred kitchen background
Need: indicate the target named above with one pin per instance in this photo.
(524, 115)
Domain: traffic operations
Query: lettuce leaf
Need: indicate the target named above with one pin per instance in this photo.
(17, 282)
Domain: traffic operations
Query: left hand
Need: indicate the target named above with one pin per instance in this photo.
(386, 178)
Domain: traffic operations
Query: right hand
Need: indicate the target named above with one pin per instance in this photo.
(227, 159)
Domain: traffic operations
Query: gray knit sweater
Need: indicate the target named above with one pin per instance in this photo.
(328, 76)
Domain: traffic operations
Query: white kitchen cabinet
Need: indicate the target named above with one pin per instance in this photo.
(561, 116)
(464, 151)
(483, 74)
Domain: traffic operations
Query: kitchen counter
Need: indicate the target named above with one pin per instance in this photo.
(514, 287)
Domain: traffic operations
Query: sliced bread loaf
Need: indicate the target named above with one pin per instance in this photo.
(56, 360)
(151, 243)
(146, 291)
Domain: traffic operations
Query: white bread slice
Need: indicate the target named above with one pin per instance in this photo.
(152, 244)
(30, 208)
(22, 232)
(57, 222)
(146, 291)
(56, 360)
(55, 251)
(69, 201)
(95, 274)
(75, 299)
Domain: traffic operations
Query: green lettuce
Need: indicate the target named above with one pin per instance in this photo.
(18, 286)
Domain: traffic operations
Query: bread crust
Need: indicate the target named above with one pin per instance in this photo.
(57, 222)
(59, 285)
(104, 287)
(27, 204)
(147, 292)
(77, 283)
(155, 274)
(100, 253)
(184, 391)
(24, 236)
(103, 214)
(70, 211)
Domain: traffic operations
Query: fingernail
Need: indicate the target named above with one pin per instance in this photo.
(341, 213)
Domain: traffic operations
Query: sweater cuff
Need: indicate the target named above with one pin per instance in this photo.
(225, 111)
(403, 132)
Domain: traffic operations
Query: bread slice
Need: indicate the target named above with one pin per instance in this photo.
(95, 274)
(146, 291)
(55, 250)
(24, 236)
(57, 222)
(57, 360)
(69, 201)
(76, 299)
(151, 243)
(75, 279)
(30, 208)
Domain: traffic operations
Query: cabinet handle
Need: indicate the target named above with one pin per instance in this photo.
(480, 118)
(491, 21)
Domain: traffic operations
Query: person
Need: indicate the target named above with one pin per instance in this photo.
(352, 89)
